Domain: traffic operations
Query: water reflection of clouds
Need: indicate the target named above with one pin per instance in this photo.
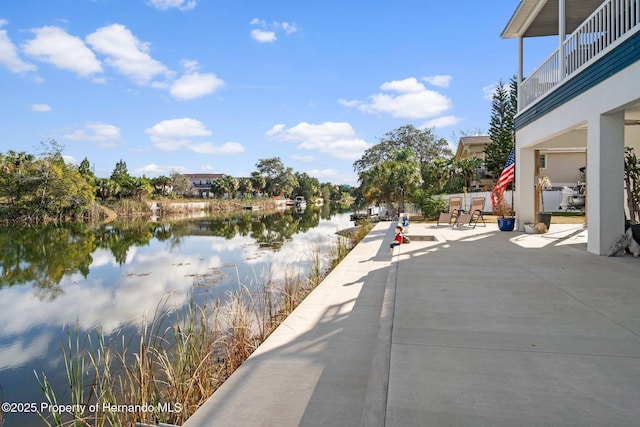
(113, 296)
(108, 299)
(19, 352)
(301, 248)
(91, 304)
(101, 257)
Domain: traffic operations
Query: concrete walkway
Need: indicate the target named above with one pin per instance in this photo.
(475, 328)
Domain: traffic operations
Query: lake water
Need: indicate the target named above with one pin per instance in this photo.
(110, 276)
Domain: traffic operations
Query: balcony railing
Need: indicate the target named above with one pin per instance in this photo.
(608, 25)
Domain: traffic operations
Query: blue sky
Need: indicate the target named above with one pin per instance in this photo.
(212, 86)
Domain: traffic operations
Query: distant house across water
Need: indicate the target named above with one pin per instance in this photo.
(200, 183)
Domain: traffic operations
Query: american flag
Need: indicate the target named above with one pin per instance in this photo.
(508, 173)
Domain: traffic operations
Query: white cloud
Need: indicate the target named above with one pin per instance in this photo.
(40, 108)
(177, 134)
(267, 33)
(275, 129)
(102, 133)
(410, 85)
(193, 84)
(226, 148)
(126, 54)
(178, 128)
(263, 36)
(152, 170)
(288, 27)
(9, 54)
(440, 122)
(67, 52)
(338, 140)
(70, 160)
(190, 65)
(412, 101)
(438, 80)
(334, 176)
(177, 4)
(488, 91)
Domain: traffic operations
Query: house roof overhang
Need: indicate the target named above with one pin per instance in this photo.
(534, 18)
(467, 141)
(204, 175)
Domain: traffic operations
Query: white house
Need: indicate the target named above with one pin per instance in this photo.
(584, 96)
(200, 183)
(473, 146)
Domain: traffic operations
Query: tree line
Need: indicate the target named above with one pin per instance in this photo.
(43, 186)
(416, 165)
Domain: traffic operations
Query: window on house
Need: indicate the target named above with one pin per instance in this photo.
(542, 161)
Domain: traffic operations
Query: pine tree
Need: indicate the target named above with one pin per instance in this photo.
(501, 126)
(120, 173)
(85, 168)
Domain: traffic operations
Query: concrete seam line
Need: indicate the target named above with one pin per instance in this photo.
(375, 404)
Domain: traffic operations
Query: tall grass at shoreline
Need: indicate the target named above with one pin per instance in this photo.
(179, 358)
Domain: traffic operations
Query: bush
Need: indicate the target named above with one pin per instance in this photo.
(431, 204)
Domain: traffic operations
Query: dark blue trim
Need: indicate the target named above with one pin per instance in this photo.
(611, 63)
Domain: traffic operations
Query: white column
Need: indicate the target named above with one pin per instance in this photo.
(605, 181)
(520, 70)
(525, 170)
(562, 31)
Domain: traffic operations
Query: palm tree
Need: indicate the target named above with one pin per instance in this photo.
(245, 186)
(406, 174)
(161, 184)
(113, 188)
(231, 186)
(379, 184)
(141, 187)
(467, 168)
(218, 187)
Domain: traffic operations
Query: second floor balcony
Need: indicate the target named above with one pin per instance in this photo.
(594, 28)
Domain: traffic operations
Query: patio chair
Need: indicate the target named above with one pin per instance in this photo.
(455, 203)
(473, 215)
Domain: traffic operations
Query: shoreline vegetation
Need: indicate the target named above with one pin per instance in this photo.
(178, 360)
(129, 208)
(43, 188)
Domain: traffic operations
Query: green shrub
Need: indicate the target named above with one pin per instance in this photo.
(431, 204)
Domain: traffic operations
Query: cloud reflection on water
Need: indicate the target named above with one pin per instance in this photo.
(114, 294)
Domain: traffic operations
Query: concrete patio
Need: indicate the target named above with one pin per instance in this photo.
(461, 327)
